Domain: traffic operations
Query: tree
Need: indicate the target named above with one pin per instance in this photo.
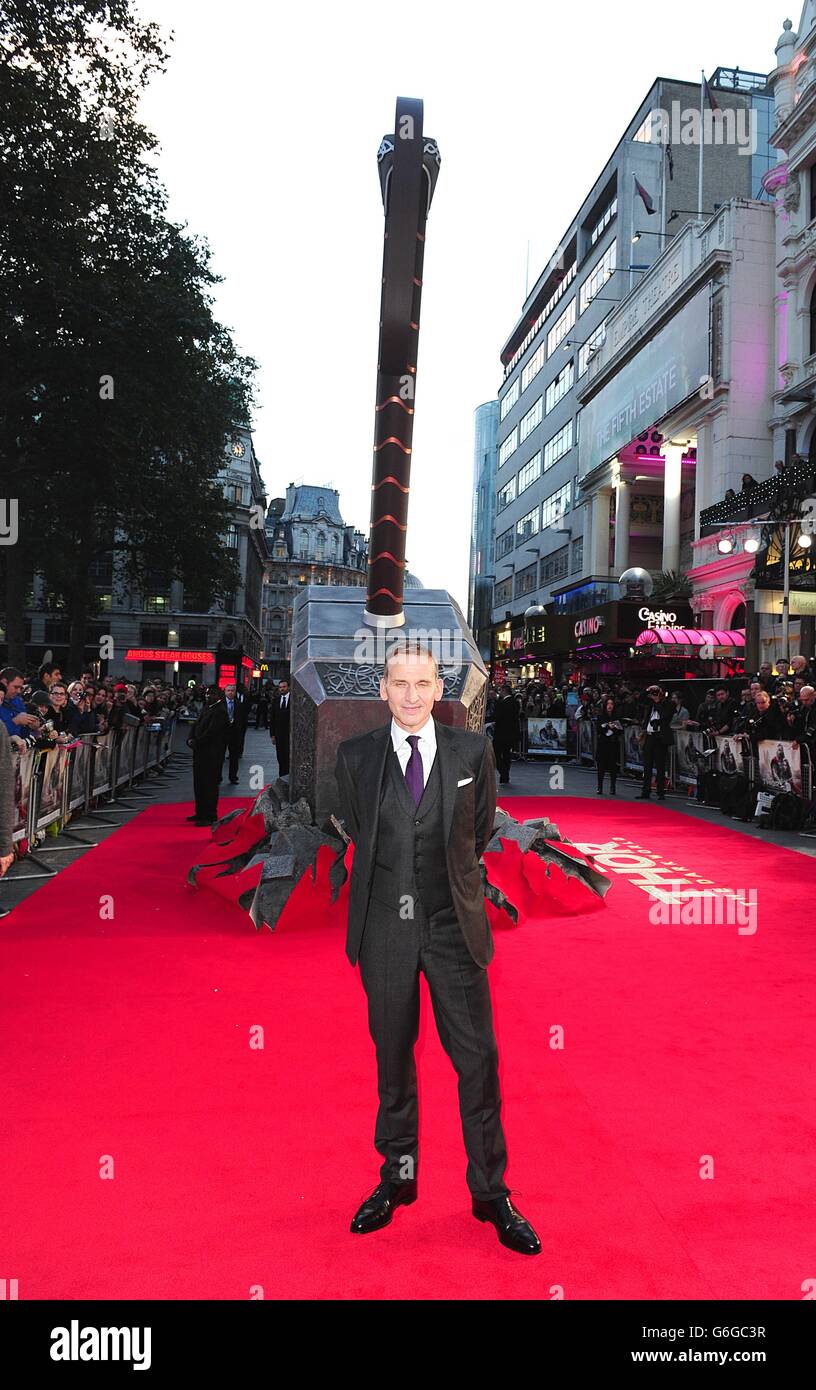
(117, 386)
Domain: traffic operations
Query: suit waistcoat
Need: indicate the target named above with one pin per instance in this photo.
(410, 853)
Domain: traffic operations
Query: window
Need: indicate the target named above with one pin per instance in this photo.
(590, 347)
(530, 420)
(558, 446)
(813, 321)
(529, 473)
(100, 570)
(193, 638)
(154, 634)
(578, 555)
(304, 544)
(508, 446)
(506, 496)
(157, 603)
(561, 328)
(603, 222)
(231, 538)
(598, 276)
(558, 389)
(526, 580)
(504, 543)
(555, 566)
(812, 183)
(527, 526)
(503, 592)
(561, 288)
(533, 367)
(555, 505)
(509, 400)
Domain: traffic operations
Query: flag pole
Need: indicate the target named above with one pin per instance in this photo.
(700, 165)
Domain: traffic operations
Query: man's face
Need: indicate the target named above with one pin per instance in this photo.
(722, 696)
(229, 691)
(765, 668)
(283, 688)
(763, 701)
(807, 696)
(411, 689)
(58, 696)
(755, 689)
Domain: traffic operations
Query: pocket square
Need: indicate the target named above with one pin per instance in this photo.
(464, 781)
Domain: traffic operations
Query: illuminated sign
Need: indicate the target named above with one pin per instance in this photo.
(657, 618)
(589, 627)
(169, 654)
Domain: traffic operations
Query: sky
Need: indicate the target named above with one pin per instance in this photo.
(269, 123)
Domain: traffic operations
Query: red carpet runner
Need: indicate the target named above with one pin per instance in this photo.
(686, 1051)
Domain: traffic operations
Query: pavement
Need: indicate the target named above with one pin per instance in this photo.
(535, 776)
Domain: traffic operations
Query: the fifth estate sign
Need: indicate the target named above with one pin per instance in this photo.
(667, 369)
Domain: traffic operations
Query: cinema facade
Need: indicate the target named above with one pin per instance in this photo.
(674, 413)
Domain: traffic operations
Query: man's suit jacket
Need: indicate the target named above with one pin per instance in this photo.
(279, 718)
(240, 719)
(468, 813)
(664, 733)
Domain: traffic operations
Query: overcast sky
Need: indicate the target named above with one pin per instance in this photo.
(269, 124)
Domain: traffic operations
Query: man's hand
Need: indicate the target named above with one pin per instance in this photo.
(30, 720)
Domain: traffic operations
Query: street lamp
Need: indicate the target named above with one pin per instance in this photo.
(726, 544)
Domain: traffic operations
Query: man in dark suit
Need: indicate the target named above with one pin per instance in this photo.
(237, 708)
(506, 730)
(418, 798)
(279, 727)
(659, 738)
(208, 741)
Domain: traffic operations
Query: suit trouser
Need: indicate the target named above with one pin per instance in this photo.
(654, 757)
(206, 776)
(503, 754)
(393, 952)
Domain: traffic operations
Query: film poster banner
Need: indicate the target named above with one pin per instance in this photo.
(79, 774)
(23, 768)
(586, 743)
(103, 759)
(632, 751)
(690, 762)
(780, 766)
(54, 763)
(547, 736)
(729, 755)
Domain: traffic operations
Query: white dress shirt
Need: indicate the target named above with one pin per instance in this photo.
(426, 745)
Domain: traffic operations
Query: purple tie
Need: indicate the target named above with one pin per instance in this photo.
(413, 773)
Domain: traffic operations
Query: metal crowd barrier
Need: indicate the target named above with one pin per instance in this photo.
(69, 782)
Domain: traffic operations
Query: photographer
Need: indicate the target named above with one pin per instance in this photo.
(13, 712)
(659, 738)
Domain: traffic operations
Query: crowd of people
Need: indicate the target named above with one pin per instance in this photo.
(777, 702)
(41, 709)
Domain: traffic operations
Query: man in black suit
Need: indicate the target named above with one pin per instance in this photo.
(418, 798)
(208, 741)
(238, 715)
(506, 730)
(279, 727)
(659, 738)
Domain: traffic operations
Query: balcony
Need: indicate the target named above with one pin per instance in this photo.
(797, 480)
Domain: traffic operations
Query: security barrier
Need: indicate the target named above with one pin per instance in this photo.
(54, 785)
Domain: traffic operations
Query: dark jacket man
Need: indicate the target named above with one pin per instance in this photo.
(657, 718)
(279, 726)
(208, 741)
(418, 799)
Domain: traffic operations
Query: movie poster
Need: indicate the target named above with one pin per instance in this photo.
(729, 755)
(547, 736)
(52, 767)
(632, 751)
(23, 767)
(585, 731)
(780, 766)
(690, 760)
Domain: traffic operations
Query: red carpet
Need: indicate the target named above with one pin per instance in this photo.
(239, 1168)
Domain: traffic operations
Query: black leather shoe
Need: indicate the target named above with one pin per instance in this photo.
(235, 781)
(193, 817)
(378, 1209)
(642, 797)
(513, 1230)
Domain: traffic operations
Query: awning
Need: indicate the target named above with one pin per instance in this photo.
(690, 637)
